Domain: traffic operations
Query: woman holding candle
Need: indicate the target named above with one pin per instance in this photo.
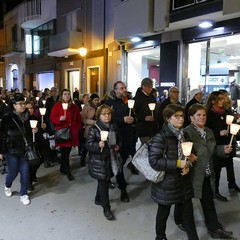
(13, 147)
(165, 154)
(63, 118)
(202, 174)
(216, 120)
(100, 155)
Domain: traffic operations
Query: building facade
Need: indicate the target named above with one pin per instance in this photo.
(172, 50)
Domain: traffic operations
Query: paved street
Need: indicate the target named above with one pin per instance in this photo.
(65, 210)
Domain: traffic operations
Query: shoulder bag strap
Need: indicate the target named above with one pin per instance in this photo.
(24, 138)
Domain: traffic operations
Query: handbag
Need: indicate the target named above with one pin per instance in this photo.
(62, 135)
(141, 162)
(32, 155)
(116, 162)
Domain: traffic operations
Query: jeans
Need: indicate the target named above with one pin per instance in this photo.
(17, 163)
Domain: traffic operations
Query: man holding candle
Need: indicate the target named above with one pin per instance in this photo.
(146, 119)
(125, 123)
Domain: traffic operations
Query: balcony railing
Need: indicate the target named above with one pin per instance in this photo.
(33, 13)
(13, 47)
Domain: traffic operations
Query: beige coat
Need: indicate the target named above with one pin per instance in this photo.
(88, 114)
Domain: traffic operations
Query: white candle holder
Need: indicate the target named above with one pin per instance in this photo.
(37, 99)
(65, 106)
(44, 102)
(234, 128)
(186, 148)
(130, 105)
(42, 112)
(104, 135)
(152, 107)
(82, 105)
(33, 124)
(229, 120)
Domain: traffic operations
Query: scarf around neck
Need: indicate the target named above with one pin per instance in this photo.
(179, 135)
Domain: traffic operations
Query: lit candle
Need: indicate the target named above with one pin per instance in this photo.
(104, 135)
(37, 99)
(234, 128)
(152, 107)
(229, 120)
(25, 99)
(42, 112)
(82, 105)
(186, 148)
(65, 106)
(33, 124)
(44, 102)
(130, 105)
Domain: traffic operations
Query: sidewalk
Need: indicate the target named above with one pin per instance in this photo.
(64, 210)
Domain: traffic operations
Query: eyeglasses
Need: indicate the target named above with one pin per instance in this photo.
(21, 103)
(175, 91)
(178, 116)
(104, 114)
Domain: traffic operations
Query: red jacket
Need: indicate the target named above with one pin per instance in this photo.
(73, 119)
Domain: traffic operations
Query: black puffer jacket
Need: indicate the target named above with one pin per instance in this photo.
(99, 162)
(163, 155)
(11, 139)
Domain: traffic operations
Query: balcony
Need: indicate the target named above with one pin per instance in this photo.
(36, 12)
(12, 48)
(65, 44)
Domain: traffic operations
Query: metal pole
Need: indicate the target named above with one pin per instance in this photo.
(82, 76)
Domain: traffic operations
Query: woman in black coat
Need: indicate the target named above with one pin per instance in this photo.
(12, 146)
(216, 120)
(101, 155)
(165, 154)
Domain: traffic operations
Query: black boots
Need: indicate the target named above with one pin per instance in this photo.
(219, 197)
(108, 213)
(69, 176)
(234, 186)
(124, 196)
(222, 234)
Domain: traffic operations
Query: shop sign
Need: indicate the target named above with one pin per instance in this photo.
(167, 84)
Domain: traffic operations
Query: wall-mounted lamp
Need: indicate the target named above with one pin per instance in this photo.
(206, 24)
(83, 51)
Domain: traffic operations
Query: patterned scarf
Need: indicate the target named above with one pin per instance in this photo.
(203, 135)
(179, 135)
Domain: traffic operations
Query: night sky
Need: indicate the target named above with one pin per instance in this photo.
(5, 6)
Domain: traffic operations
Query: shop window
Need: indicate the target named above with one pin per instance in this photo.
(211, 63)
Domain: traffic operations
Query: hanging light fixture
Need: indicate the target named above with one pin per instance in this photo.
(206, 24)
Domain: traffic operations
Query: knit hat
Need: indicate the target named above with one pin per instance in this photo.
(195, 91)
(94, 95)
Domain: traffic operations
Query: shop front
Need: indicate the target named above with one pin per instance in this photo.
(213, 56)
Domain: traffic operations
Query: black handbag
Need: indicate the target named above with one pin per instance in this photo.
(32, 155)
(62, 135)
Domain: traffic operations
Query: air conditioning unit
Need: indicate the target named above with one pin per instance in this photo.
(177, 4)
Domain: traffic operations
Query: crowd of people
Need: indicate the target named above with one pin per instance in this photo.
(164, 127)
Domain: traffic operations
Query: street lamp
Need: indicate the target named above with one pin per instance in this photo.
(83, 53)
